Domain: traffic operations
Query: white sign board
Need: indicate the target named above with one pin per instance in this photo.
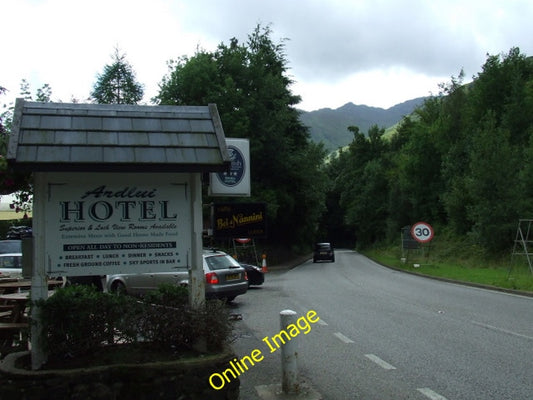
(236, 180)
(99, 224)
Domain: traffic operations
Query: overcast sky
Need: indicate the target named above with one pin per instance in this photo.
(379, 53)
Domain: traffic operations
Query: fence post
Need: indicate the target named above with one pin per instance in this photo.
(289, 355)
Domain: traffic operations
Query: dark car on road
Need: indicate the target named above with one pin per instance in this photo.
(323, 252)
(256, 276)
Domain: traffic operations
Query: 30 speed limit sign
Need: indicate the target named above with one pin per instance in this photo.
(422, 232)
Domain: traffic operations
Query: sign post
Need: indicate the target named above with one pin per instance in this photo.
(423, 233)
(117, 189)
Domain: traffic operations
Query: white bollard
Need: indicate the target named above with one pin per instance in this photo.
(289, 355)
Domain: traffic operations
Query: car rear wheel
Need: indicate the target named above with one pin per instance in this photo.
(118, 287)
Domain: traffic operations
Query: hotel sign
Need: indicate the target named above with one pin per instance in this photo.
(120, 225)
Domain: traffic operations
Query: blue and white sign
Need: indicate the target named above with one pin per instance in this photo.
(236, 180)
(234, 175)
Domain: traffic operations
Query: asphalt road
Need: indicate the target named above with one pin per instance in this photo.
(385, 334)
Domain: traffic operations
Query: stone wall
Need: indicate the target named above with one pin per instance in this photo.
(176, 380)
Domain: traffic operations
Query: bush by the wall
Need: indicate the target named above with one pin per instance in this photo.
(78, 319)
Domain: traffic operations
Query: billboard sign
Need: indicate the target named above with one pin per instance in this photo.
(239, 220)
(117, 225)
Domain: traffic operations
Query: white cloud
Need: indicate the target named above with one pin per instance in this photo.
(372, 88)
(368, 52)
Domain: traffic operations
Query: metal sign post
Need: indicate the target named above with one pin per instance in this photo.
(423, 233)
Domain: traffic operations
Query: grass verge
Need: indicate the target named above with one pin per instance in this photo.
(460, 262)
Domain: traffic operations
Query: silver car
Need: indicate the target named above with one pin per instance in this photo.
(225, 278)
(11, 265)
(10, 258)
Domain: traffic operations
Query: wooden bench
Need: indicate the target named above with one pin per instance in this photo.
(6, 315)
(16, 326)
(6, 312)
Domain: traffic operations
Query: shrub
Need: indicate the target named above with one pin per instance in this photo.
(78, 319)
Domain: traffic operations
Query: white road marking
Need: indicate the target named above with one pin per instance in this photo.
(431, 394)
(379, 361)
(343, 338)
(495, 328)
(322, 322)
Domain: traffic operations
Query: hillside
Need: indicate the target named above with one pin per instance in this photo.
(330, 126)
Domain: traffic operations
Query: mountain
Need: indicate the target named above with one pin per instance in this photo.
(331, 126)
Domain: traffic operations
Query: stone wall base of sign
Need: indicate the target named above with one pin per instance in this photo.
(180, 379)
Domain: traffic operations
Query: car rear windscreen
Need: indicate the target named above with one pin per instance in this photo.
(220, 262)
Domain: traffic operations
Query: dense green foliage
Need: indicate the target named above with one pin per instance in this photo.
(78, 320)
(249, 84)
(461, 162)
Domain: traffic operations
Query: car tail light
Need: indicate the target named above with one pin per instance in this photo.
(245, 275)
(211, 278)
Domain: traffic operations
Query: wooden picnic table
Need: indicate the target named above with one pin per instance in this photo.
(19, 301)
(17, 286)
(16, 322)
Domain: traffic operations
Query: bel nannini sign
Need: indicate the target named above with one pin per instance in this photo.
(123, 223)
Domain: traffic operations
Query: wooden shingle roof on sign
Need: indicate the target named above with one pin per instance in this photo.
(117, 138)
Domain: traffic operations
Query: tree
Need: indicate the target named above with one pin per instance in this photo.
(462, 161)
(362, 185)
(11, 182)
(248, 82)
(117, 84)
(493, 184)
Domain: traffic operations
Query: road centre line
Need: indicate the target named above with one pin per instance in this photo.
(343, 338)
(379, 361)
(431, 394)
(495, 328)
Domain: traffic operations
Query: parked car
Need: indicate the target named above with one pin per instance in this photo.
(140, 284)
(255, 274)
(11, 265)
(323, 251)
(224, 277)
(10, 258)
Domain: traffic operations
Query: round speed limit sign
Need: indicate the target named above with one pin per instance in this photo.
(422, 232)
